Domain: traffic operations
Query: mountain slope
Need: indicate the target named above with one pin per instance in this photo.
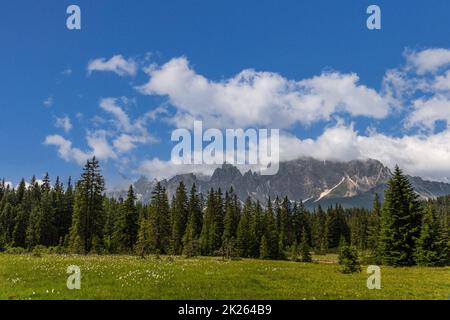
(352, 184)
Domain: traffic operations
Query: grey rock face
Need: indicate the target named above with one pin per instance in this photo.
(353, 183)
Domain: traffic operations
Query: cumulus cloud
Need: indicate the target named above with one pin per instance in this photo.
(96, 140)
(417, 92)
(63, 123)
(161, 169)
(111, 105)
(117, 64)
(422, 155)
(112, 138)
(253, 98)
(65, 149)
(427, 112)
(428, 60)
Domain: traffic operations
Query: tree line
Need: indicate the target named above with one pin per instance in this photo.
(81, 219)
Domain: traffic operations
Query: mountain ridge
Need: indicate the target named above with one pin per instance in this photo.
(315, 182)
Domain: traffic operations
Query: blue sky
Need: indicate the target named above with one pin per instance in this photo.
(51, 100)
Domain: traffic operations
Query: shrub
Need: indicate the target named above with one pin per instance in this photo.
(348, 259)
(39, 250)
(15, 250)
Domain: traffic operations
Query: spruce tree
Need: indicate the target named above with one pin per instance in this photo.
(432, 245)
(88, 215)
(373, 230)
(179, 217)
(304, 248)
(271, 235)
(348, 258)
(400, 222)
(143, 243)
(257, 230)
(264, 249)
(319, 231)
(126, 225)
(159, 221)
(194, 224)
(244, 232)
(228, 220)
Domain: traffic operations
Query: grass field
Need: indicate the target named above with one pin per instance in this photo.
(128, 277)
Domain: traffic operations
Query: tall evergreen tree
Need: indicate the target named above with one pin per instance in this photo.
(88, 216)
(244, 236)
(126, 224)
(400, 221)
(432, 246)
(257, 229)
(179, 217)
(159, 221)
(194, 224)
(304, 248)
(270, 233)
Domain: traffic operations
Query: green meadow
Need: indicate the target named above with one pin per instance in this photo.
(130, 277)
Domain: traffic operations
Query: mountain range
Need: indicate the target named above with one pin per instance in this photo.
(315, 182)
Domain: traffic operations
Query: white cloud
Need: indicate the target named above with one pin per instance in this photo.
(63, 123)
(117, 64)
(254, 98)
(442, 83)
(161, 169)
(48, 102)
(418, 92)
(427, 111)
(112, 138)
(65, 149)
(428, 60)
(111, 105)
(100, 146)
(125, 142)
(426, 156)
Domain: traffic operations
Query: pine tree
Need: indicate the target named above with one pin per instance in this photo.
(59, 211)
(304, 248)
(336, 226)
(23, 209)
(194, 225)
(33, 232)
(270, 233)
(179, 216)
(126, 224)
(432, 245)
(257, 229)
(47, 227)
(195, 212)
(244, 232)
(212, 230)
(264, 249)
(373, 229)
(400, 222)
(320, 231)
(112, 211)
(88, 213)
(228, 220)
(143, 243)
(159, 221)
